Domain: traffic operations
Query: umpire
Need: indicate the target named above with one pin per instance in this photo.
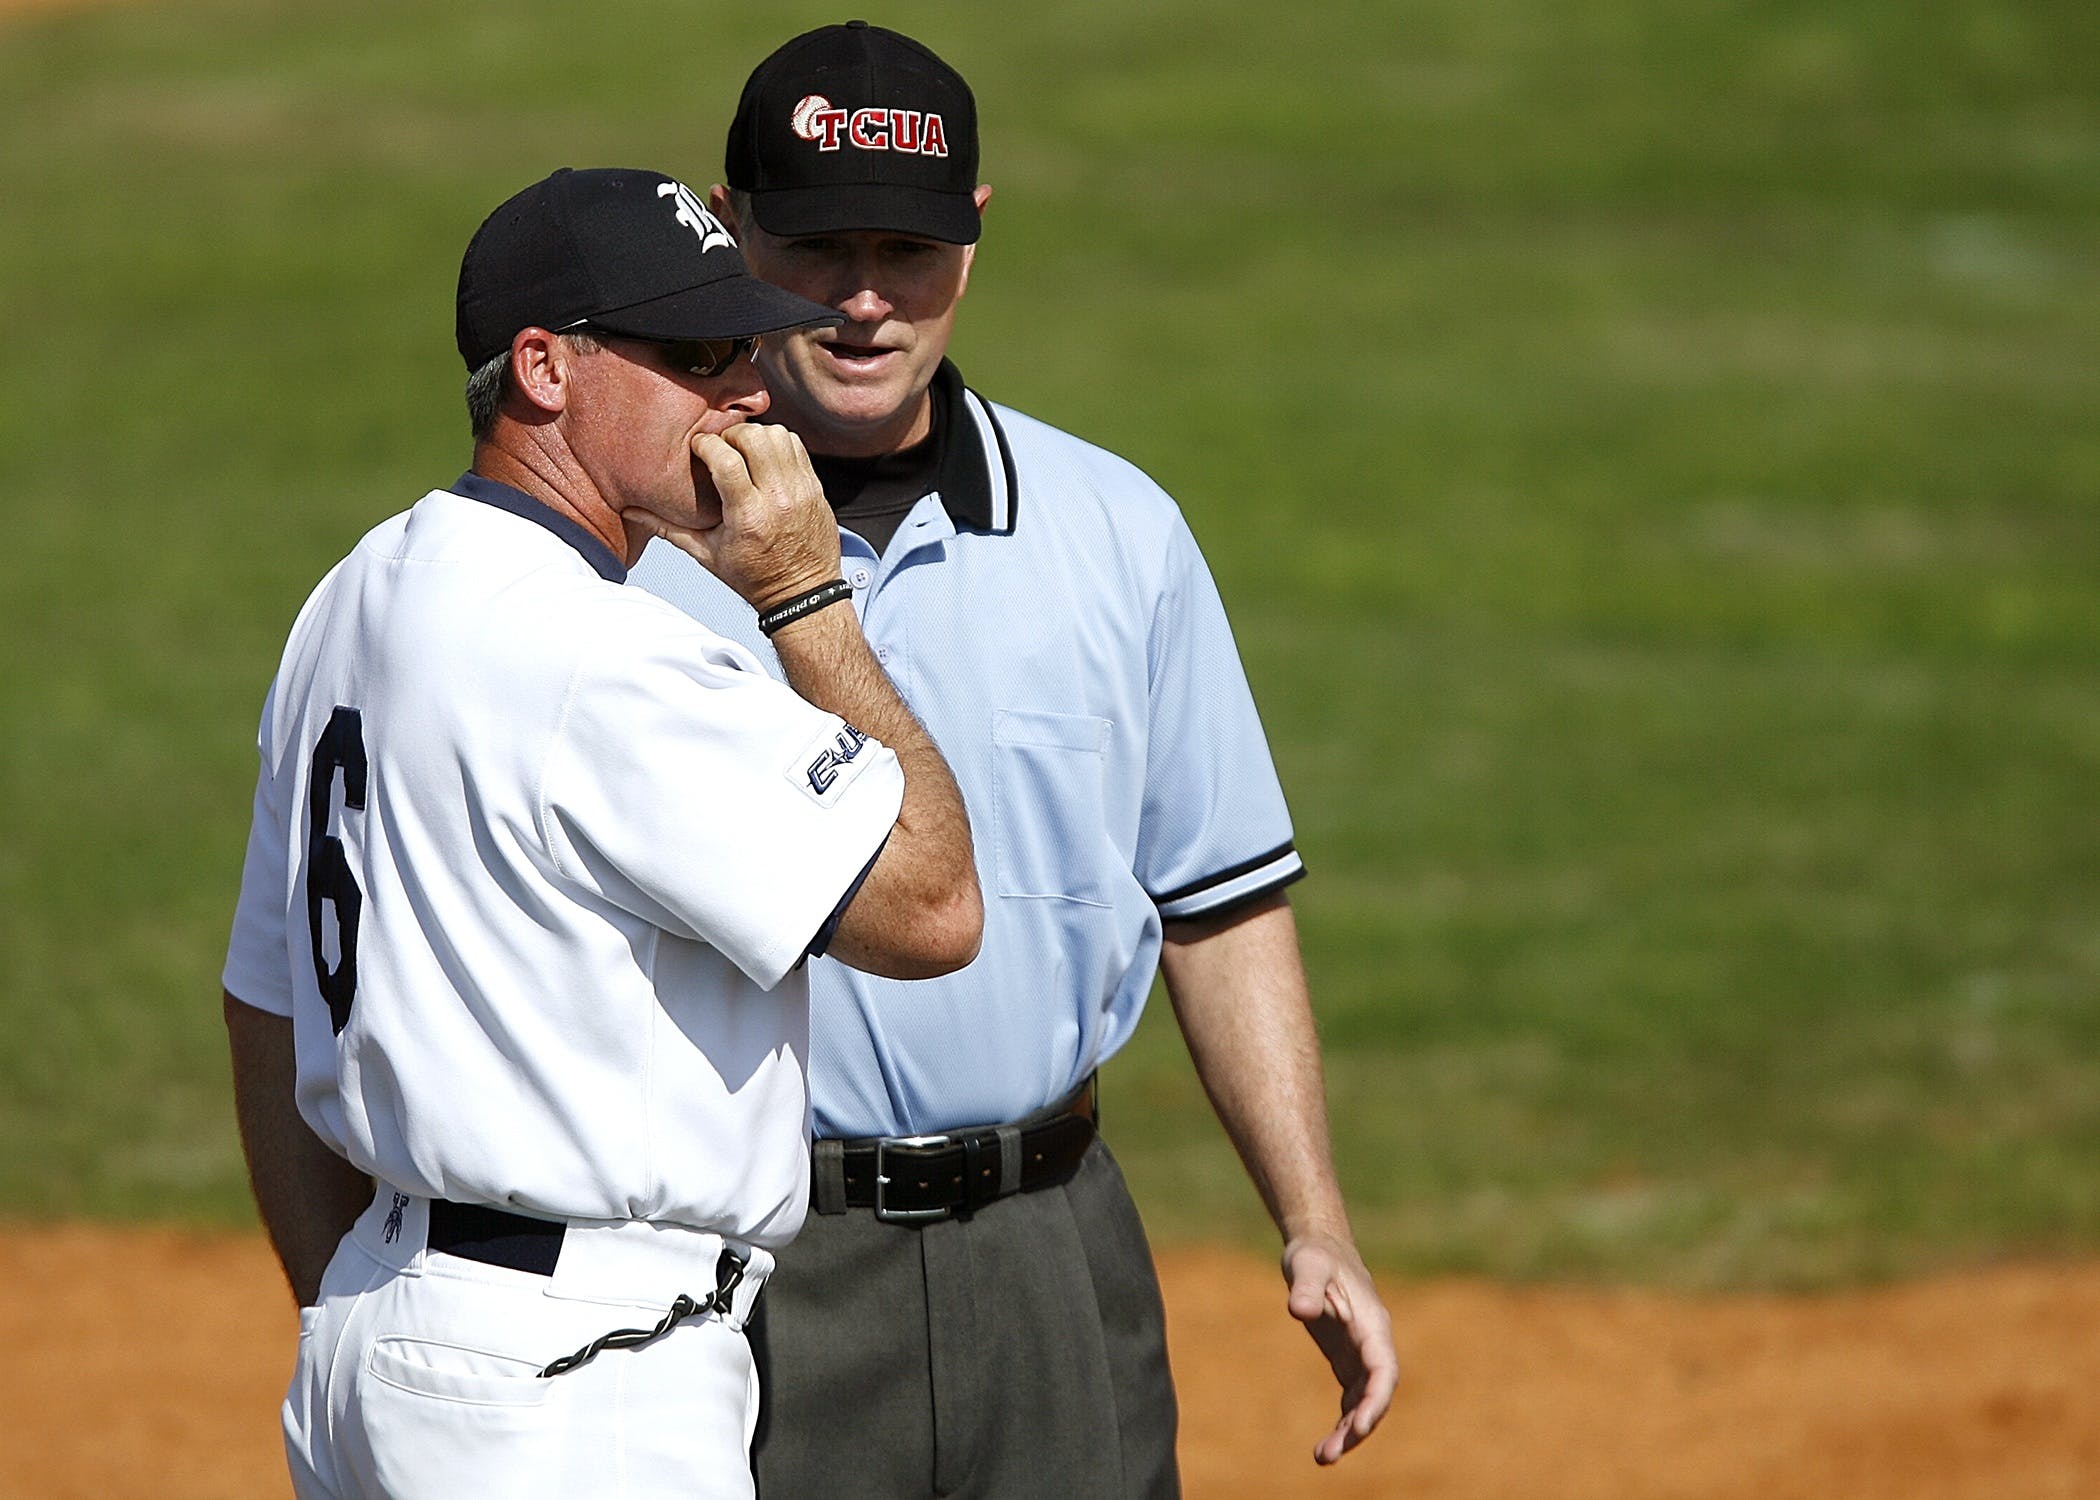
(971, 1308)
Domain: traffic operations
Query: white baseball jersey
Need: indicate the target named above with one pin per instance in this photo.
(534, 865)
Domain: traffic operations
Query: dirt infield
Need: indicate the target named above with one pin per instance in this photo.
(150, 1363)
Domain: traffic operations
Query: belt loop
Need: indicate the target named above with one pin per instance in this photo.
(828, 1176)
(1009, 1159)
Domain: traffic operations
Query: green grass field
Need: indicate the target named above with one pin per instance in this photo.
(1649, 451)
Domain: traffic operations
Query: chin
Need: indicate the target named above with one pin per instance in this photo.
(856, 405)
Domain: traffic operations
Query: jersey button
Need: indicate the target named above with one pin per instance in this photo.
(860, 578)
(882, 654)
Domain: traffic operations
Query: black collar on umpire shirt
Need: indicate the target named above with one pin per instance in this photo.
(518, 503)
(955, 460)
(975, 470)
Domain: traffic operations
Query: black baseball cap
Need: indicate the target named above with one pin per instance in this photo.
(854, 127)
(631, 252)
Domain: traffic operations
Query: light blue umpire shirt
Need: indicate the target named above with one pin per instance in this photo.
(1046, 613)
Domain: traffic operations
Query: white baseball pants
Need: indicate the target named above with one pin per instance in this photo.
(418, 1372)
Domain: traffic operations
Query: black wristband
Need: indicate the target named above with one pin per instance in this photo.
(788, 611)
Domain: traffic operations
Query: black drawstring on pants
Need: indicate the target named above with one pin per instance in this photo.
(729, 1274)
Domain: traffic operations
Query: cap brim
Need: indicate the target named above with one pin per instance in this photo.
(836, 209)
(734, 307)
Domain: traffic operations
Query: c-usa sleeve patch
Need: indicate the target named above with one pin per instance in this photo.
(829, 764)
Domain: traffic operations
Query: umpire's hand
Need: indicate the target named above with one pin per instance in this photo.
(1332, 1295)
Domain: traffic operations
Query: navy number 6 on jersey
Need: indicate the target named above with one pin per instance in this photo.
(328, 877)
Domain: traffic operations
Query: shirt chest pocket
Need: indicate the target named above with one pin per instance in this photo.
(1048, 806)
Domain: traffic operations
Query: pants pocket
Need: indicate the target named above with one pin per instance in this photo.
(445, 1421)
(448, 1372)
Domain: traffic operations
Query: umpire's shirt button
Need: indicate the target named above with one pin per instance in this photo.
(860, 578)
(882, 654)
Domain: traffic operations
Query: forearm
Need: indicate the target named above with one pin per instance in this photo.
(827, 661)
(1238, 989)
(308, 1196)
(923, 889)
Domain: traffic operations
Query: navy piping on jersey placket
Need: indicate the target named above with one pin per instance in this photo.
(506, 497)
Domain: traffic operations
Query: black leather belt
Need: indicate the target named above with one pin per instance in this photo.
(494, 1236)
(921, 1178)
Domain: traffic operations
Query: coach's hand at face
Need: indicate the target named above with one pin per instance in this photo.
(769, 534)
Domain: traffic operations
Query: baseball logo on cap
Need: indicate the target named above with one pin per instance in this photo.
(804, 118)
(910, 131)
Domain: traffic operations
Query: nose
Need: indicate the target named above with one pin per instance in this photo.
(860, 296)
(865, 305)
(743, 390)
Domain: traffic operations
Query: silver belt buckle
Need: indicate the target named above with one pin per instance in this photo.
(883, 1211)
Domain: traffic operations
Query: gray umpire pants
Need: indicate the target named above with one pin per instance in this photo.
(1016, 1352)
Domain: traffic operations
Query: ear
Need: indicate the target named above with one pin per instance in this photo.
(718, 204)
(981, 195)
(539, 370)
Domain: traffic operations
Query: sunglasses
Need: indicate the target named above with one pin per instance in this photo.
(702, 358)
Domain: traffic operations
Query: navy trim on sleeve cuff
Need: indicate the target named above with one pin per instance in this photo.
(1228, 888)
(829, 930)
(1233, 902)
(1233, 872)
